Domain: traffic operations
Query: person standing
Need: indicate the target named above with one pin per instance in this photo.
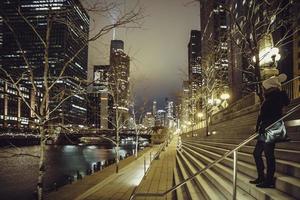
(270, 111)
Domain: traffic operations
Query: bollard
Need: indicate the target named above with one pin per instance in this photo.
(98, 166)
(79, 177)
(150, 157)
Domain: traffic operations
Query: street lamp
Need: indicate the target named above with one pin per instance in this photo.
(200, 115)
(225, 96)
(268, 55)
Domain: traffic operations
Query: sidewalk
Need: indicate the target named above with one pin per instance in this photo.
(160, 175)
(107, 185)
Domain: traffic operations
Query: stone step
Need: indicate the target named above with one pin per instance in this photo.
(292, 183)
(192, 192)
(180, 193)
(220, 183)
(207, 188)
(280, 154)
(243, 179)
(282, 165)
(292, 145)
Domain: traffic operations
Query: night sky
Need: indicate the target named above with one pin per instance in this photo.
(158, 49)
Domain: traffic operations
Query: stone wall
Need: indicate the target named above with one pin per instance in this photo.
(237, 121)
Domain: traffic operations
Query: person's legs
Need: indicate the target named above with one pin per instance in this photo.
(271, 163)
(257, 154)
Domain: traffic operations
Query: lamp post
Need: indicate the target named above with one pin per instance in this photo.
(225, 96)
(268, 57)
(200, 115)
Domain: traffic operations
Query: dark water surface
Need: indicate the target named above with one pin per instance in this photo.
(18, 175)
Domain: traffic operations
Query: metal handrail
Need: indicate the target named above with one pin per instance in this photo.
(289, 88)
(234, 151)
(297, 77)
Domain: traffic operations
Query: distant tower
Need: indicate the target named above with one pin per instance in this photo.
(116, 45)
(154, 108)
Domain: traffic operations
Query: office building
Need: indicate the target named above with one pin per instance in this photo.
(119, 79)
(65, 42)
(100, 102)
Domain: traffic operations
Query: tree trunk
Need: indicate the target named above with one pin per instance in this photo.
(136, 144)
(117, 137)
(41, 163)
(117, 157)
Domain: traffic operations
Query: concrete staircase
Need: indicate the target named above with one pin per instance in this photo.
(198, 150)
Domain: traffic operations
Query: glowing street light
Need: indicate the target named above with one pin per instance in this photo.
(217, 101)
(267, 55)
(200, 115)
(225, 96)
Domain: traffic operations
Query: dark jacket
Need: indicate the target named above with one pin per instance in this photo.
(271, 109)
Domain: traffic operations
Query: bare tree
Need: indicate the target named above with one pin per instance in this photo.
(49, 94)
(255, 25)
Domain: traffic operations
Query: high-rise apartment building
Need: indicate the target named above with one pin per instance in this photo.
(23, 48)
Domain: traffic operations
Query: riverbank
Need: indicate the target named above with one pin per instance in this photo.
(78, 188)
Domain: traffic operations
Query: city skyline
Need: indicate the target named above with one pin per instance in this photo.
(158, 50)
(139, 98)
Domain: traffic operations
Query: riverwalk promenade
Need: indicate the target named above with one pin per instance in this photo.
(107, 185)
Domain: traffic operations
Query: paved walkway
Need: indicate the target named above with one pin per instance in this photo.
(160, 175)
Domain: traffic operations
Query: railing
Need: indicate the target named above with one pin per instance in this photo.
(233, 151)
(291, 87)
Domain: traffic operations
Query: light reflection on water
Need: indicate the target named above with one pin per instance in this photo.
(18, 175)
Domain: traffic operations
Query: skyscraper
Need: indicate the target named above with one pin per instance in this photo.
(194, 56)
(154, 108)
(100, 102)
(116, 45)
(119, 78)
(119, 73)
(24, 44)
(214, 45)
(195, 70)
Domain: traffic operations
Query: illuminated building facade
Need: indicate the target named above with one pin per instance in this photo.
(194, 69)
(149, 120)
(185, 102)
(66, 39)
(160, 118)
(194, 56)
(119, 78)
(100, 102)
(214, 46)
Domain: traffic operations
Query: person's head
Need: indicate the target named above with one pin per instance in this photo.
(273, 83)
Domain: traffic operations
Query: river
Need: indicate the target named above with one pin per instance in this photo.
(18, 175)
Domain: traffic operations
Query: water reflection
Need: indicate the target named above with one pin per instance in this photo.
(18, 175)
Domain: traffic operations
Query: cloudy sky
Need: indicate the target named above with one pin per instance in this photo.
(158, 50)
